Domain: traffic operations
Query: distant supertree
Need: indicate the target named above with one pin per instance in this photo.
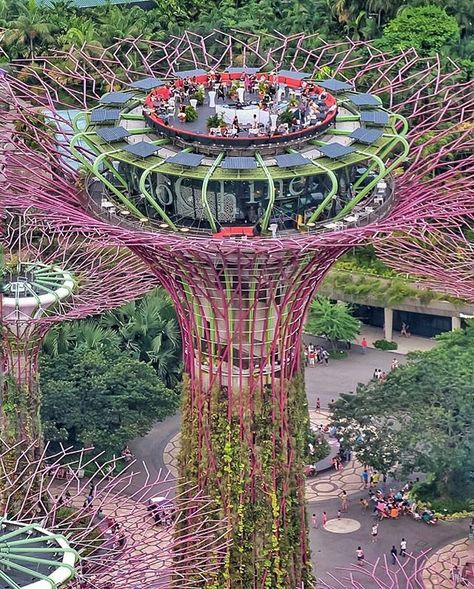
(116, 537)
(201, 222)
(50, 275)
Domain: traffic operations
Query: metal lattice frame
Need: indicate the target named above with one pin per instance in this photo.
(407, 574)
(96, 278)
(133, 552)
(242, 304)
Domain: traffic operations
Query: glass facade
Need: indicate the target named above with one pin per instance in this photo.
(232, 202)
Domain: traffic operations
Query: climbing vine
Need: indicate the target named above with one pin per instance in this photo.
(251, 464)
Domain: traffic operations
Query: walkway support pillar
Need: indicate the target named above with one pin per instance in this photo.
(388, 323)
(455, 323)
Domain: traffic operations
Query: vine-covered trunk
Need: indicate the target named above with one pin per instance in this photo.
(245, 415)
(20, 421)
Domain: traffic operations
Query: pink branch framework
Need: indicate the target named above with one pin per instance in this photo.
(242, 304)
(116, 536)
(382, 574)
(102, 276)
(442, 259)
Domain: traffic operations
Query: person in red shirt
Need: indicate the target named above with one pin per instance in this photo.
(363, 344)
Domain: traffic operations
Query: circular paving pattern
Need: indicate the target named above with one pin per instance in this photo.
(342, 526)
(325, 486)
(437, 570)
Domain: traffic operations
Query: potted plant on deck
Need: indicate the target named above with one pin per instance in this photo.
(199, 95)
(215, 121)
(191, 113)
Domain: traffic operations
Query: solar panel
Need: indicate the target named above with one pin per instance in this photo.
(115, 98)
(239, 163)
(147, 83)
(111, 134)
(374, 117)
(190, 160)
(244, 70)
(364, 100)
(142, 149)
(293, 74)
(103, 115)
(291, 160)
(335, 150)
(367, 136)
(334, 85)
(190, 73)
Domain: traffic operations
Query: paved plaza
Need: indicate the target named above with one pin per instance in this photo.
(334, 546)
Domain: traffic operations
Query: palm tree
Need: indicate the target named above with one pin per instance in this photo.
(149, 331)
(29, 29)
(86, 334)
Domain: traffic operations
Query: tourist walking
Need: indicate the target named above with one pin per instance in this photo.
(318, 405)
(314, 521)
(377, 373)
(365, 478)
(456, 577)
(344, 502)
(325, 357)
(363, 345)
(360, 556)
(375, 531)
(405, 330)
(393, 552)
(394, 364)
(338, 514)
(403, 547)
(324, 519)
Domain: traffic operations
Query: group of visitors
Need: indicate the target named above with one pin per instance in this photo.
(461, 577)
(315, 355)
(393, 551)
(161, 515)
(308, 105)
(165, 100)
(393, 504)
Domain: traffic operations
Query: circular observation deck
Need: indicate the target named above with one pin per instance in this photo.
(237, 112)
(240, 153)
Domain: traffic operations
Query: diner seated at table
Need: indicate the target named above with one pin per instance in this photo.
(182, 114)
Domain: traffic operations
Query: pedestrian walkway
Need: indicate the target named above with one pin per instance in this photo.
(414, 343)
(136, 549)
(437, 570)
(327, 485)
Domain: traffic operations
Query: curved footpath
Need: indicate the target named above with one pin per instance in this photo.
(335, 546)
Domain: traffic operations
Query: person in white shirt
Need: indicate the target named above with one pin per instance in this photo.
(403, 547)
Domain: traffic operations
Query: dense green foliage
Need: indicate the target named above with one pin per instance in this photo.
(146, 330)
(100, 397)
(426, 28)
(332, 320)
(104, 380)
(420, 418)
(383, 344)
(31, 27)
(252, 469)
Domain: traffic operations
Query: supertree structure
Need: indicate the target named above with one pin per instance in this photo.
(50, 275)
(240, 213)
(123, 537)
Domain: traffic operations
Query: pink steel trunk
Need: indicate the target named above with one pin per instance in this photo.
(245, 414)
